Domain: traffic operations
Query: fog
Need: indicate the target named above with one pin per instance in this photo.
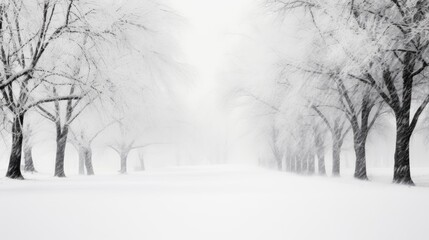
(197, 119)
(202, 84)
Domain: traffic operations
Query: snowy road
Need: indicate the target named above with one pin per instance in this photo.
(210, 203)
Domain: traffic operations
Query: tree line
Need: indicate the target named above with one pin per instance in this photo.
(61, 60)
(362, 60)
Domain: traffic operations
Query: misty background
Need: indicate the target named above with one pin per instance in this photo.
(193, 99)
(199, 85)
(193, 119)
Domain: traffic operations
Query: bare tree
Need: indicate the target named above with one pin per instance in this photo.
(62, 125)
(338, 128)
(28, 148)
(123, 149)
(142, 166)
(401, 62)
(356, 101)
(127, 141)
(277, 153)
(84, 83)
(393, 61)
(82, 140)
(357, 106)
(319, 144)
(25, 41)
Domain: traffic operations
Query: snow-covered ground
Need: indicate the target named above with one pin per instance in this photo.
(204, 203)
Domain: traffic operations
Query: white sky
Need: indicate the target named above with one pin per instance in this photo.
(210, 22)
(205, 43)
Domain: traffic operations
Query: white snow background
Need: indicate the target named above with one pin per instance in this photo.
(204, 203)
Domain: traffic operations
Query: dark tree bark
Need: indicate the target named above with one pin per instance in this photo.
(404, 129)
(14, 169)
(88, 162)
(60, 155)
(28, 159)
(360, 135)
(360, 128)
(123, 169)
(360, 153)
(336, 159)
(402, 173)
(62, 131)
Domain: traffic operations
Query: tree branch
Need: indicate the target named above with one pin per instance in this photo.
(53, 99)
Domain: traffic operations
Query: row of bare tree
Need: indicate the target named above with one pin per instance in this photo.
(57, 59)
(363, 59)
(82, 141)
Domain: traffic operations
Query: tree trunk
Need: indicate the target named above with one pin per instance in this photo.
(88, 161)
(14, 169)
(320, 152)
(123, 163)
(288, 163)
(336, 152)
(81, 161)
(402, 173)
(61, 149)
(142, 165)
(311, 164)
(298, 165)
(293, 164)
(28, 159)
(360, 152)
(304, 163)
(321, 164)
(279, 163)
